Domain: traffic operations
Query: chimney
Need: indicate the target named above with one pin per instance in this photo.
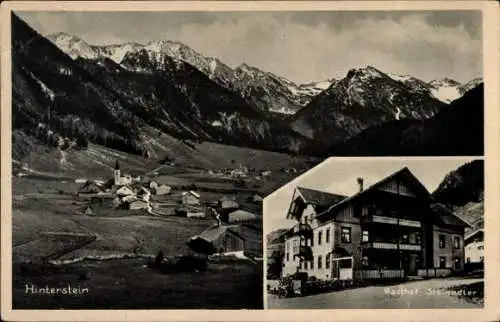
(360, 184)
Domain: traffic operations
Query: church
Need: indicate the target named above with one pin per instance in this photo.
(120, 180)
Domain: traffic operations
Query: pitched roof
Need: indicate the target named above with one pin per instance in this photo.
(473, 233)
(319, 198)
(403, 172)
(214, 232)
(447, 217)
(241, 215)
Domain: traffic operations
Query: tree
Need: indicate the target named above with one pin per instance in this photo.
(82, 141)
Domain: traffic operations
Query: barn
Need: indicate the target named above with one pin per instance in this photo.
(217, 239)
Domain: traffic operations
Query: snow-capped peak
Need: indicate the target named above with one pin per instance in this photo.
(73, 46)
(369, 72)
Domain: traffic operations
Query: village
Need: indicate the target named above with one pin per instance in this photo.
(228, 234)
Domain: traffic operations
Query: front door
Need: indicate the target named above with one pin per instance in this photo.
(412, 267)
(410, 263)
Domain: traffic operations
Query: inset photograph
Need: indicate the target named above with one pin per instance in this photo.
(378, 233)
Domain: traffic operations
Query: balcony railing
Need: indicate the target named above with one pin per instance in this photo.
(305, 252)
(391, 221)
(303, 230)
(384, 245)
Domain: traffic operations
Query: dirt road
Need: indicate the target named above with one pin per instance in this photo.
(426, 294)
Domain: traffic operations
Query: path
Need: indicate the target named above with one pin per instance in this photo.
(415, 295)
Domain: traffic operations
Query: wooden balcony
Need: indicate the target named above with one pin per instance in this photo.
(390, 221)
(391, 246)
(303, 230)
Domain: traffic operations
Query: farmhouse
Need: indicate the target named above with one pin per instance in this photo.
(190, 198)
(240, 215)
(228, 204)
(390, 230)
(162, 190)
(217, 239)
(125, 191)
(474, 247)
(256, 198)
(90, 187)
(144, 194)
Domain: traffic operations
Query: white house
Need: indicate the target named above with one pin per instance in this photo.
(163, 190)
(474, 247)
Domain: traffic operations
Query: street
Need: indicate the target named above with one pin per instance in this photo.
(423, 294)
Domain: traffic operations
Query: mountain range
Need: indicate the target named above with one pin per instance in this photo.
(114, 106)
(265, 90)
(124, 96)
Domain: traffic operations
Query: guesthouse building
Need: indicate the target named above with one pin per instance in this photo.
(391, 229)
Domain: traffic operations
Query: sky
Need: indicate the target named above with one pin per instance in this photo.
(302, 46)
(340, 176)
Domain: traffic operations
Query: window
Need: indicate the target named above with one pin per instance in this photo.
(287, 256)
(320, 234)
(305, 265)
(312, 240)
(405, 239)
(312, 263)
(481, 259)
(456, 242)
(327, 260)
(328, 235)
(295, 246)
(345, 236)
(300, 265)
(442, 241)
(320, 264)
(365, 236)
(364, 261)
(418, 241)
(442, 262)
(468, 260)
(480, 247)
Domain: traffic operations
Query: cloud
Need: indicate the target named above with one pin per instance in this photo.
(301, 46)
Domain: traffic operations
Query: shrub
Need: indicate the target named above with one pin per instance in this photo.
(82, 141)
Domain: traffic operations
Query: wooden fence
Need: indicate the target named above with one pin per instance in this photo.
(379, 274)
(434, 272)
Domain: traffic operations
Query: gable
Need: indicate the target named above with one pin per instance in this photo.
(397, 186)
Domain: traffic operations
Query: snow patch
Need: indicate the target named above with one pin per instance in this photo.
(446, 94)
(398, 113)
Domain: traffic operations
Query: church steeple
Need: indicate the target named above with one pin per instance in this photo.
(116, 173)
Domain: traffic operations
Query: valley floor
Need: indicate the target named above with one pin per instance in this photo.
(110, 248)
(128, 284)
